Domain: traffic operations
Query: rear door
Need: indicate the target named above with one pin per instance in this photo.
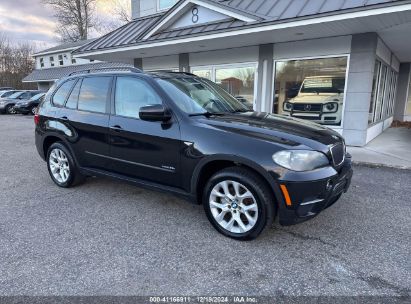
(142, 149)
(85, 114)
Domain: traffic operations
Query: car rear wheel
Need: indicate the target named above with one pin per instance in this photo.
(238, 203)
(10, 110)
(61, 166)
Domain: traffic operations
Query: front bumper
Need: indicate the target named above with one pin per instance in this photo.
(308, 199)
(320, 117)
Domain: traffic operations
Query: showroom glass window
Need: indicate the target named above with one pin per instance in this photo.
(408, 112)
(238, 80)
(204, 73)
(383, 93)
(94, 94)
(311, 89)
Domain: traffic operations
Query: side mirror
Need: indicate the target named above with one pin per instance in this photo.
(155, 113)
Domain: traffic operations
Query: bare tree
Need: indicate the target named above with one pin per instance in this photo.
(75, 18)
(15, 62)
(119, 14)
(122, 10)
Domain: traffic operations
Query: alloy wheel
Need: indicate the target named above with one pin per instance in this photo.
(233, 206)
(11, 110)
(59, 165)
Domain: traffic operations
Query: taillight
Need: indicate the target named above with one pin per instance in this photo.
(36, 119)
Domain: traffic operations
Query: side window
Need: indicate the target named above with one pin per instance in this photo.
(25, 96)
(132, 94)
(93, 94)
(61, 95)
(73, 98)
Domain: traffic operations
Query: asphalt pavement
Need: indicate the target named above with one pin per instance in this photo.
(110, 238)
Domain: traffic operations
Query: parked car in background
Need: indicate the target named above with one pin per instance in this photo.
(6, 88)
(184, 134)
(320, 99)
(29, 106)
(7, 93)
(7, 104)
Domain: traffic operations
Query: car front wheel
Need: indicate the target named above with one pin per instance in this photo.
(61, 166)
(10, 109)
(238, 203)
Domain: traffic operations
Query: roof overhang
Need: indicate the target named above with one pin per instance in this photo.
(380, 19)
(55, 52)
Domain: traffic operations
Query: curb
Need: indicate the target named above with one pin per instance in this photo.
(375, 165)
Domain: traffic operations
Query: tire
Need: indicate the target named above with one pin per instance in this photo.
(33, 110)
(61, 166)
(10, 110)
(256, 210)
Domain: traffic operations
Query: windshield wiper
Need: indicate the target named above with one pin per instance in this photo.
(206, 114)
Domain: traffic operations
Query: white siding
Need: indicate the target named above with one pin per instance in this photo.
(148, 7)
(161, 63)
(383, 52)
(67, 60)
(228, 56)
(313, 48)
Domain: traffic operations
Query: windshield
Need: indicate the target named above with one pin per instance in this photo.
(198, 95)
(38, 96)
(323, 85)
(15, 95)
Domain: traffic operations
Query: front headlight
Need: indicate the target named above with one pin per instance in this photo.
(330, 107)
(300, 160)
(287, 106)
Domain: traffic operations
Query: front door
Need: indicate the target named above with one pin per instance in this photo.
(142, 149)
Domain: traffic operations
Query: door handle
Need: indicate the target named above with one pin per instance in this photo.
(64, 118)
(116, 128)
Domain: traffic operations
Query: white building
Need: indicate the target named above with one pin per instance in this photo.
(57, 62)
(353, 56)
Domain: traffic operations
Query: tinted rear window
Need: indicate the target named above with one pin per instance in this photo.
(61, 95)
(73, 99)
(94, 94)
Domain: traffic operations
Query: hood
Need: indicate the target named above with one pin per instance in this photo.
(275, 128)
(316, 98)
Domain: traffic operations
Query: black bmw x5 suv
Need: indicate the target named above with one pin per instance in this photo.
(183, 134)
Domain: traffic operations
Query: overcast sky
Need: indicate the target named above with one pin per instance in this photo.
(24, 20)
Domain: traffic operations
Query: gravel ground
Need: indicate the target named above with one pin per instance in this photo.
(109, 238)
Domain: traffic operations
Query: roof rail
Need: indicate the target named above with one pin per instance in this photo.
(171, 71)
(125, 68)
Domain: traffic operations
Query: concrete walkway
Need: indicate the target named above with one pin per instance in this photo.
(390, 149)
